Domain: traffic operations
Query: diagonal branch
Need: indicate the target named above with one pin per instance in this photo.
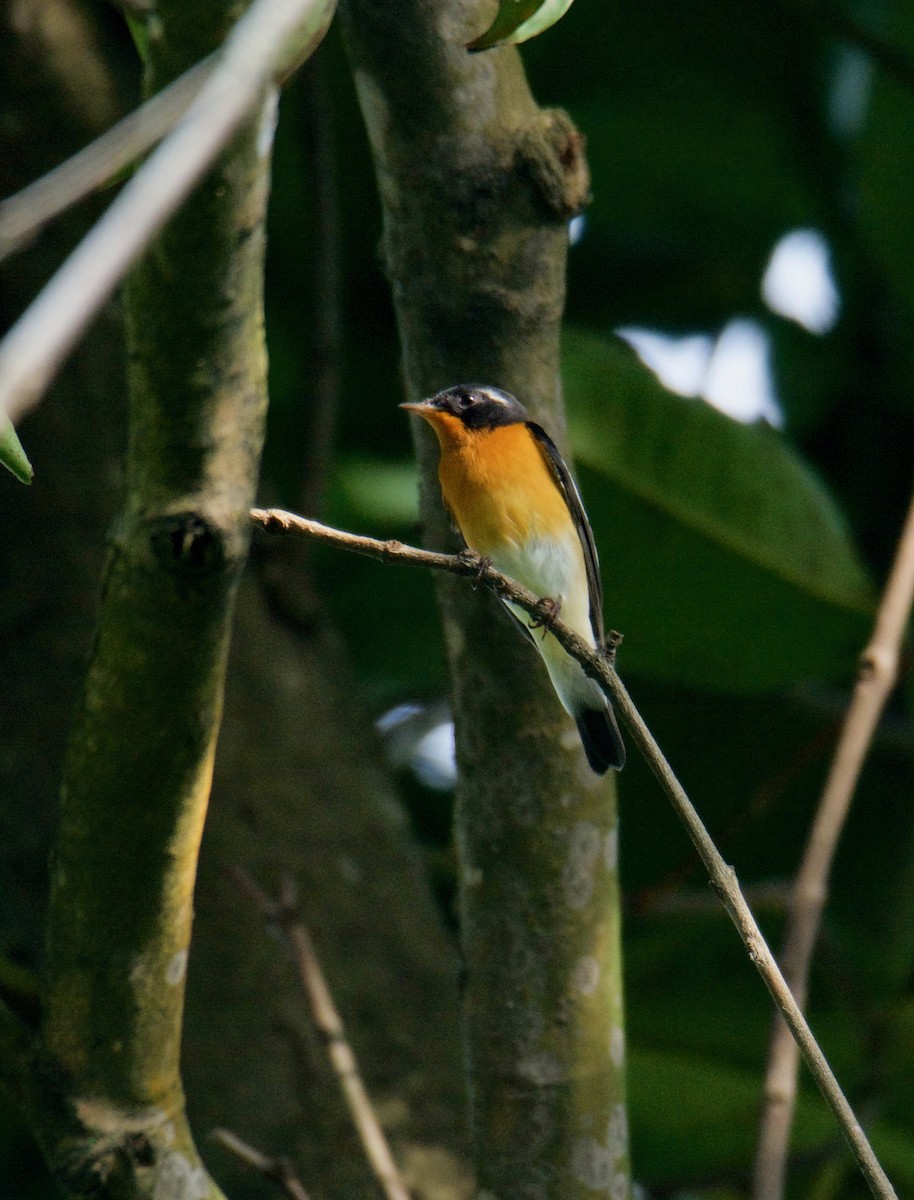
(722, 877)
(277, 1170)
(24, 215)
(330, 1026)
(875, 681)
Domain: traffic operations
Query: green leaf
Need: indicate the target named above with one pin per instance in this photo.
(519, 20)
(138, 27)
(12, 455)
(726, 562)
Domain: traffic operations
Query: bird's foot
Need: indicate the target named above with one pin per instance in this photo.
(547, 614)
(481, 564)
(613, 641)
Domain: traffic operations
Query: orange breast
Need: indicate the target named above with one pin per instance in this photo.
(497, 485)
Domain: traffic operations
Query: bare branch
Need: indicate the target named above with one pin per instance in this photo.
(875, 680)
(722, 877)
(277, 1170)
(24, 215)
(34, 348)
(286, 915)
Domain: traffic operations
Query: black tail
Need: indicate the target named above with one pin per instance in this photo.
(601, 738)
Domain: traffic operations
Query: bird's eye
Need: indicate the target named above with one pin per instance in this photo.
(466, 400)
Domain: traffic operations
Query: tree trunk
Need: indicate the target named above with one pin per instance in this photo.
(477, 186)
(56, 92)
(139, 766)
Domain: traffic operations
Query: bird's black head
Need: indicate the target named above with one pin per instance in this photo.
(477, 406)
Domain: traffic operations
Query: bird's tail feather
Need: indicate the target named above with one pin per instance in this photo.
(601, 738)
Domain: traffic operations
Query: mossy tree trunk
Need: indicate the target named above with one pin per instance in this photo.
(477, 186)
(138, 772)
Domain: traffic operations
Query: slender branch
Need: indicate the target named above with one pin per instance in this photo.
(24, 215)
(722, 877)
(875, 680)
(286, 915)
(34, 348)
(469, 565)
(277, 1170)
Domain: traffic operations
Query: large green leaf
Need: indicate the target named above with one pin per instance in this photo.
(12, 455)
(726, 562)
(520, 20)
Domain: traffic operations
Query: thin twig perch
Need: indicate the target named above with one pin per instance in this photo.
(722, 877)
(277, 1170)
(287, 917)
(875, 681)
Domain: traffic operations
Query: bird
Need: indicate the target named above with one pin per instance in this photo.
(513, 499)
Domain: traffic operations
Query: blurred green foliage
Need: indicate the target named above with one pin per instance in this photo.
(741, 563)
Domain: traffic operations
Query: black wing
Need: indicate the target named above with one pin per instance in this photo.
(569, 490)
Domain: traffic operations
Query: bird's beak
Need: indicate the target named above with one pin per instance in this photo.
(425, 409)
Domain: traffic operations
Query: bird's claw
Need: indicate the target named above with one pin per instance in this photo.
(548, 610)
(612, 643)
(481, 564)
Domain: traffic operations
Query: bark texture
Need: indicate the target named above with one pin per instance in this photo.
(139, 766)
(477, 185)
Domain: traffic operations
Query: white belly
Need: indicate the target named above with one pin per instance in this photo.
(551, 568)
(554, 568)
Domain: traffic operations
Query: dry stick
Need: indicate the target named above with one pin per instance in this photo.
(875, 680)
(722, 877)
(34, 348)
(23, 215)
(286, 915)
(277, 1170)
